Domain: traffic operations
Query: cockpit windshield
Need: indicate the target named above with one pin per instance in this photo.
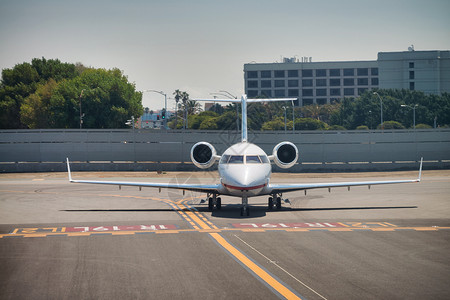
(252, 159)
(239, 159)
(236, 159)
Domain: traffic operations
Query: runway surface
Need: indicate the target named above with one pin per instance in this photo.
(73, 241)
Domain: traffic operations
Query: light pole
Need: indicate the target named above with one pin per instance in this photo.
(293, 117)
(414, 112)
(284, 107)
(165, 104)
(381, 109)
(230, 96)
(237, 112)
(81, 114)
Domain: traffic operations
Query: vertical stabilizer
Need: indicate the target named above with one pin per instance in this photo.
(244, 118)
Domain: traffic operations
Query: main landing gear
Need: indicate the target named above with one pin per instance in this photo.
(276, 200)
(214, 201)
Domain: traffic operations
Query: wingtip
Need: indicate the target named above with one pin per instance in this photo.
(420, 170)
(68, 169)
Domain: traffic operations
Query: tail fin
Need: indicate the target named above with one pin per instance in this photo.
(244, 102)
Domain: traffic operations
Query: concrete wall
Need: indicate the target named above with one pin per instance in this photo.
(46, 150)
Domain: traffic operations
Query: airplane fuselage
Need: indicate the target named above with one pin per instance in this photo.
(244, 171)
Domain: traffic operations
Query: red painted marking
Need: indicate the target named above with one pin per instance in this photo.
(120, 228)
(288, 225)
(241, 188)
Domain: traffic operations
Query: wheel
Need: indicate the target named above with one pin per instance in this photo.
(242, 211)
(278, 203)
(210, 204)
(248, 211)
(219, 203)
(270, 203)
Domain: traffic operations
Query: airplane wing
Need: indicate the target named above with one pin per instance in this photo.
(283, 188)
(204, 188)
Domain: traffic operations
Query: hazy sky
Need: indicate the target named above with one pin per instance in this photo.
(201, 46)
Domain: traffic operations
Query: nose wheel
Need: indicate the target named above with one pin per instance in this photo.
(245, 209)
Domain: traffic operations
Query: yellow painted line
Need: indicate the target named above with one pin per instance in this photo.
(297, 229)
(166, 231)
(390, 224)
(382, 229)
(266, 277)
(340, 229)
(253, 230)
(425, 229)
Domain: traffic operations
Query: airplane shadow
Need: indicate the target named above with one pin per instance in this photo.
(231, 211)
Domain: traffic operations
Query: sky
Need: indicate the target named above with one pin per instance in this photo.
(201, 46)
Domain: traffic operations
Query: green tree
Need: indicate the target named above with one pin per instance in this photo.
(309, 124)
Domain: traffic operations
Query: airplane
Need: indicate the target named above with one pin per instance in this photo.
(245, 169)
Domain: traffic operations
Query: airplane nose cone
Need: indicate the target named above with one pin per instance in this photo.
(248, 177)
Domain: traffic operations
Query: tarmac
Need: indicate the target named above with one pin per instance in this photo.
(77, 241)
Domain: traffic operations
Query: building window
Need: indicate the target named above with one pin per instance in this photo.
(266, 74)
(279, 83)
(252, 84)
(307, 73)
(412, 86)
(362, 71)
(280, 93)
(374, 71)
(279, 74)
(335, 82)
(252, 94)
(411, 65)
(266, 93)
(307, 82)
(349, 92)
(321, 101)
(293, 73)
(335, 92)
(411, 74)
(363, 81)
(349, 72)
(307, 101)
(321, 73)
(252, 74)
(362, 91)
(374, 81)
(293, 93)
(292, 83)
(307, 92)
(321, 92)
(335, 72)
(321, 82)
(266, 83)
(349, 81)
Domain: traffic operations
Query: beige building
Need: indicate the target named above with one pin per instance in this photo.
(324, 82)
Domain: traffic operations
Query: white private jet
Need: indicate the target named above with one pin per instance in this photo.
(245, 169)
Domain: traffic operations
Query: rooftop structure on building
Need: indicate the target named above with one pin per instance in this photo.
(324, 82)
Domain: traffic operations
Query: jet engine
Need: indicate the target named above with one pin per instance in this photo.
(285, 155)
(203, 155)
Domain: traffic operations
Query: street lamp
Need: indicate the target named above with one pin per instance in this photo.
(413, 107)
(230, 96)
(165, 103)
(381, 109)
(284, 107)
(81, 114)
